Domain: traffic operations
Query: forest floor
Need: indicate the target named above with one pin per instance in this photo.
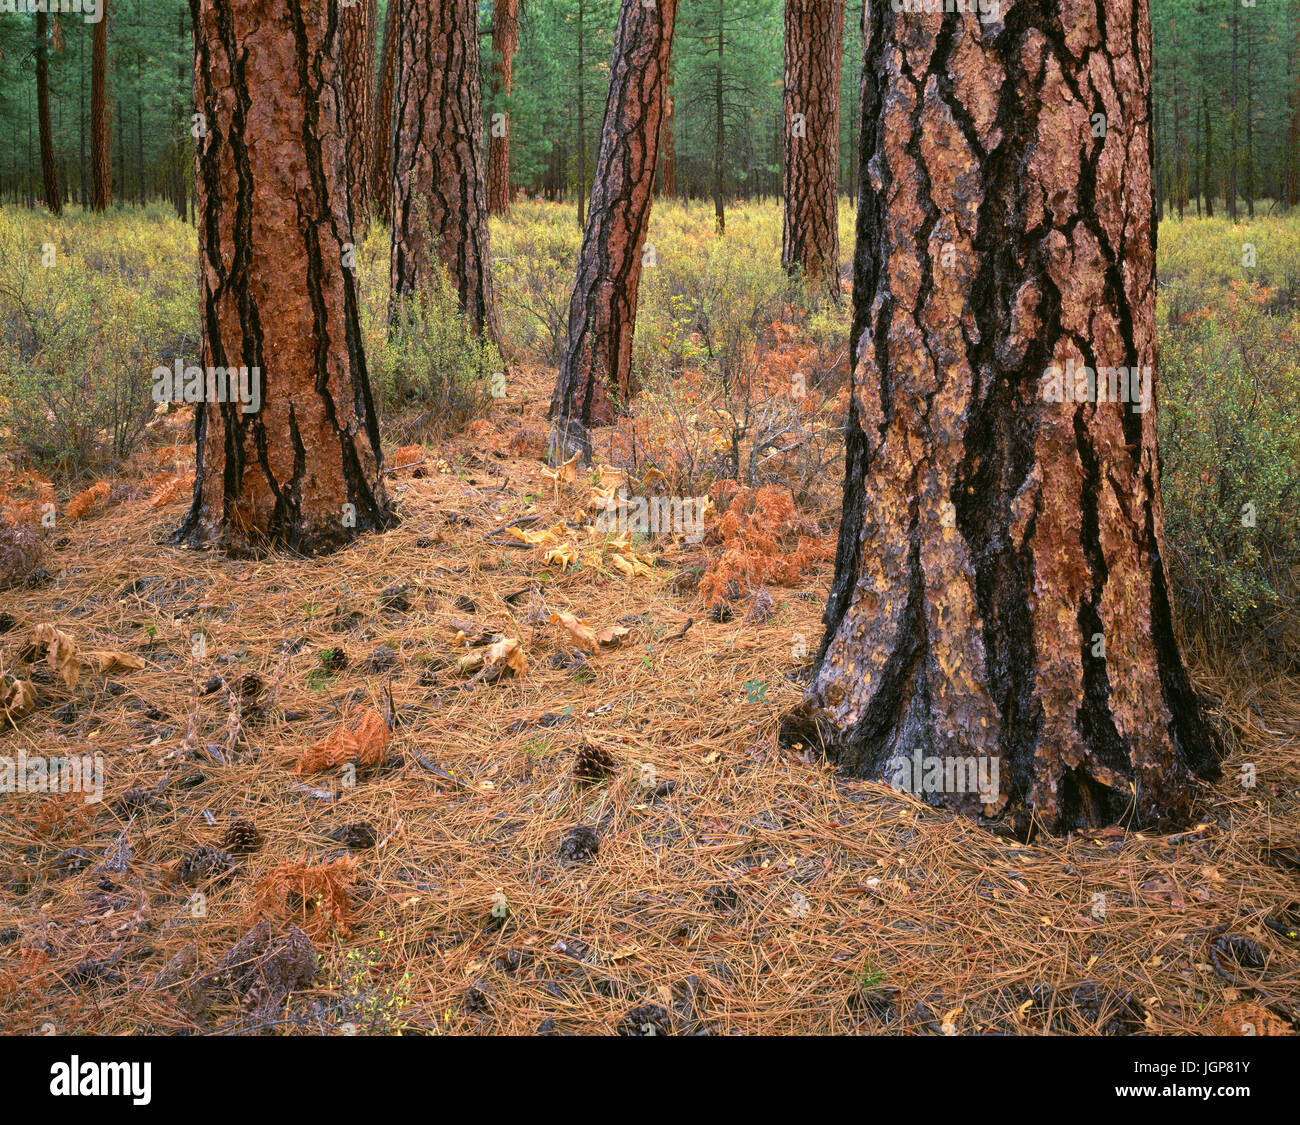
(726, 885)
(579, 824)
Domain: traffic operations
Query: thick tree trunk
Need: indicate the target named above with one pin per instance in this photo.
(1000, 598)
(358, 44)
(602, 311)
(505, 41)
(296, 463)
(49, 166)
(440, 187)
(814, 49)
(383, 156)
(101, 169)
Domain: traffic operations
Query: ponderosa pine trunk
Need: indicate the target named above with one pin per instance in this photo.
(814, 50)
(440, 187)
(505, 41)
(1000, 597)
(302, 471)
(667, 188)
(358, 45)
(602, 312)
(101, 168)
(383, 155)
(49, 166)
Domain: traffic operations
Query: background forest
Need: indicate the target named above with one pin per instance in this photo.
(1227, 108)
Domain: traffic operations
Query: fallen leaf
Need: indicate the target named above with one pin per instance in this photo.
(60, 653)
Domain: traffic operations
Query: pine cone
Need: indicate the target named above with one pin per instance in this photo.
(762, 608)
(241, 837)
(206, 863)
(593, 764)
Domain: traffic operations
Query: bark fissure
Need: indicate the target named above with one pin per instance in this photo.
(999, 589)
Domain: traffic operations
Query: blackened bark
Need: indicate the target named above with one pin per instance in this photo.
(602, 311)
(814, 49)
(49, 167)
(383, 154)
(358, 46)
(505, 41)
(101, 169)
(303, 471)
(1000, 592)
(440, 186)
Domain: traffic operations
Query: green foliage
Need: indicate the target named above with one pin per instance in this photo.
(1229, 439)
(80, 337)
(429, 373)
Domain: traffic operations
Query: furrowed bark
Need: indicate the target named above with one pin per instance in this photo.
(358, 51)
(814, 50)
(440, 188)
(303, 471)
(602, 312)
(383, 155)
(505, 41)
(1000, 592)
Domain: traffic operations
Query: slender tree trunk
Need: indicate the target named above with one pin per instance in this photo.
(602, 312)
(383, 155)
(440, 189)
(505, 41)
(582, 121)
(302, 470)
(1000, 597)
(1250, 122)
(49, 167)
(1209, 160)
(359, 25)
(719, 131)
(668, 182)
(101, 115)
(81, 120)
(814, 49)
(1232, 166)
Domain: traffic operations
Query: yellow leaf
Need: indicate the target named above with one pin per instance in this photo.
(60, 653)
(537, 538)
(579, 629)
(512, 652)
(562, 556)
(106, 662)
(17, 698)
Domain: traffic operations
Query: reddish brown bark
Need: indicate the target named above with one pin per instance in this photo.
(505, 41)
(358, 56)
(101, 169)
(814, 49)
(440, 188)
(602, 311)
(383, 154)
(49, 164)
(1000, 590)
(303, 470)
(668, 181)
